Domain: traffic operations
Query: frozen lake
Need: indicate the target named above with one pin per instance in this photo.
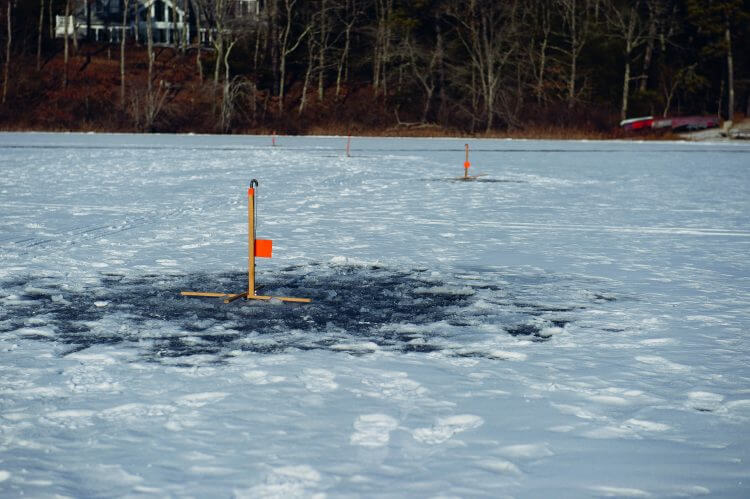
(572, 324)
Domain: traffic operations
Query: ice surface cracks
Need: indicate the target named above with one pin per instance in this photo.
(77, 235)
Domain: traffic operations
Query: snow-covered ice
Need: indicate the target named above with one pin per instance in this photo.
(572, 324)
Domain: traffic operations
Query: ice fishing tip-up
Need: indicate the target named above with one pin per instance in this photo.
(260, 248)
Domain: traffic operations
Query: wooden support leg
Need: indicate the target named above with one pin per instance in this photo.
(231, 298)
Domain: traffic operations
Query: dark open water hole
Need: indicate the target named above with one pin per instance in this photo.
(399, 310)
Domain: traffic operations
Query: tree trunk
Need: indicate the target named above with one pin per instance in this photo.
(322, 49)
(199, 44)
(381, 54)
(185, 36)
(625, 88)
(219, 18)
(88, 20)
(75, 35)
(39, 36)
(308, 73)
(8, 43)
(150, 51)
(443, 97)
(256, 52)
(573, 60)
(344, 53)
(386, 48)
(66, 36)
(542, 67)
(376, 49)
(175, 35)
(730, 72)
(51, 23)
(544, 16)
(123, 37)
(284, 35)
(575, 19)
(286, 49)
(219, 46)
(273, 38)
(648, 55)
(227, 102)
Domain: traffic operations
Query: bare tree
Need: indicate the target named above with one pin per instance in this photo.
(185, 26)
(225, 24)
(150, 108)
(176, 39)
(146, 105)
(123, 38)
(674, 82)
(74, 20)
(730, 67)
(656, 10)
(287, 45)
(577, 20)
(318, 42)
(539, 46)
(155, 97)
(382, 45)
(218, 12)
(261, 38)
(8, 42)
(66, 37)
(39, 36)
(272, 6)
(423, 63)
(629, 27)
(229, 92)
(310, 65)
(51, 23)
(199, 41)
(488, 34)
(323, 34)
(349, 17)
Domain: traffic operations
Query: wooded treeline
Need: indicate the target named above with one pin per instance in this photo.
(475, 66)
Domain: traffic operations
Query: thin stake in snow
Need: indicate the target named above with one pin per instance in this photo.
(467, 165)
(261, 248)
(348, 145)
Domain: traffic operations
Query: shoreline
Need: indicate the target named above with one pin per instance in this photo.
(710, 135)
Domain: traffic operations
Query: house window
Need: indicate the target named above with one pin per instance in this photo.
(159, 11)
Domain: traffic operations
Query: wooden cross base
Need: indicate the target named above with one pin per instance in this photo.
(230, 297)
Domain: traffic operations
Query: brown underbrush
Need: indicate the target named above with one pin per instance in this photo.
(86, 96)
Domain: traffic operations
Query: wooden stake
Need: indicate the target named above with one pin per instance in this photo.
(210, 294)
(280, 298)
(251, 241)
(466, 163)
(231, 298)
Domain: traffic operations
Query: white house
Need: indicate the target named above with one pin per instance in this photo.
(168, 20)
